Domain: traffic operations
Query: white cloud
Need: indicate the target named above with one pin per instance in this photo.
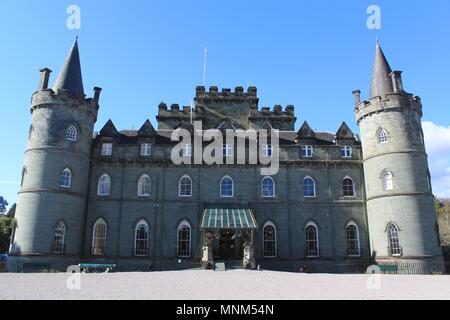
(437, 142)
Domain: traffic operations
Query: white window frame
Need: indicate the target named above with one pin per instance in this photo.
(307, 151)
(317, 242)
(186, 150)
(358, 241)
(395, 249)
(272, 195)
(267, 150)
(140, 191)
(346, 152)
(190, 189)
(387, 180)
(107, 183)
(137, 253)
(94, 229)
(183, 224)
(67, 179)
(232, 187)
(275, 242)
(353, 185)
(72, 133)
(227, 150)
(107, 148)
(146, 149)
(382, 136)
(314, 186)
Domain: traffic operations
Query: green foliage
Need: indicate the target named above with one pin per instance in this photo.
(443, 219)
(5, 232)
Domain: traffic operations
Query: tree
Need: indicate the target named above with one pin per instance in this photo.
(443, 218)
(3, 205)
(6, 224)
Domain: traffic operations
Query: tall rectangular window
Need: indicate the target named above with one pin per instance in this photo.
(107, 149)
(267, 150)
(227, 150)
(346, 152)
(187, 150)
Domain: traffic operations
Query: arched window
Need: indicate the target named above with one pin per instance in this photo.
(65, 179)
(312, 240)
(268, 187)
(382, 136)
(394, 243)
(104, 185)
(387, 180)
(184, 240)
(58, 238)
(353, 247)
(141, 239)
(185, 187)
(269, 240)
(348, 187)
(144, 186)
(226, 187)
(99, 238)
(71, 134)
(309, 187)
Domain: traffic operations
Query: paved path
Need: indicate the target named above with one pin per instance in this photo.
(235, 284)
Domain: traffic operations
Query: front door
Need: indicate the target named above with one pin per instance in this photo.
(227, 243)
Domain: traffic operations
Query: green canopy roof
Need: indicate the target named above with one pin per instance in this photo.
(228, 218)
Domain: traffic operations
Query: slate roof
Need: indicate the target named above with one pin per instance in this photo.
(69, 77)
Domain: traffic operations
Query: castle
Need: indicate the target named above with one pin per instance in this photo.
(338, 203)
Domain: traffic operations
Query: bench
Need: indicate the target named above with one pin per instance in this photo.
(36, 267)
(97, 267)
(388, 268)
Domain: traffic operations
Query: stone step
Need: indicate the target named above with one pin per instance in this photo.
(219, 266)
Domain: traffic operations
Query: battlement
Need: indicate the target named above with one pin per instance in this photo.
(226, 95)
(277, 111)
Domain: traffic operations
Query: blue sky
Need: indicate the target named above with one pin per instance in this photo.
(308, 53)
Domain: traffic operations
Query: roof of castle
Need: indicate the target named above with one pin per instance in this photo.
(381, 81)
(69, 78)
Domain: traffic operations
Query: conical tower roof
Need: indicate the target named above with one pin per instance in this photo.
(69, 78)
(381, 80)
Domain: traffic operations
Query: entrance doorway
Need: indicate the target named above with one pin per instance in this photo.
(227, 245)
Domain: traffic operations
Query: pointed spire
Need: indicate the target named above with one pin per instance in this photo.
(69, 77)
(381, 80)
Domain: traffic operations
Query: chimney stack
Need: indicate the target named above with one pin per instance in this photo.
(45, 76)
(396, 77)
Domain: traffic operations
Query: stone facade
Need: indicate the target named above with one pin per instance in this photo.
(285, 219)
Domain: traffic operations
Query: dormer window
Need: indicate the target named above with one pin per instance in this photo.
(146, 149)
(107, 149)
(267, 150)
(187, 150)
(307, 151)
(346, 152)
(227, 150)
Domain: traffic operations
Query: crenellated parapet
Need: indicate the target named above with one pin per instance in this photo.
(225, 96)
(278, 118)
(173, 116)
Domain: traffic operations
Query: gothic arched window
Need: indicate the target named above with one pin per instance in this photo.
(353, 246)
(348, 187)
(99, 238)
(312, 240)
(104, 185)
(382, 136)
(387, 180)
(184, 240)
(65, 179)
(141, 239)
(394, 242)
(71, 134)
(269, 240)
(309, 187)
(59, 238)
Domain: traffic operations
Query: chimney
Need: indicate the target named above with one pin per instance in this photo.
(45, 76)
(97, 91)
(357, 97)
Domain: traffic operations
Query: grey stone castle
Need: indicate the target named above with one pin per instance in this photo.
(337, 204)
